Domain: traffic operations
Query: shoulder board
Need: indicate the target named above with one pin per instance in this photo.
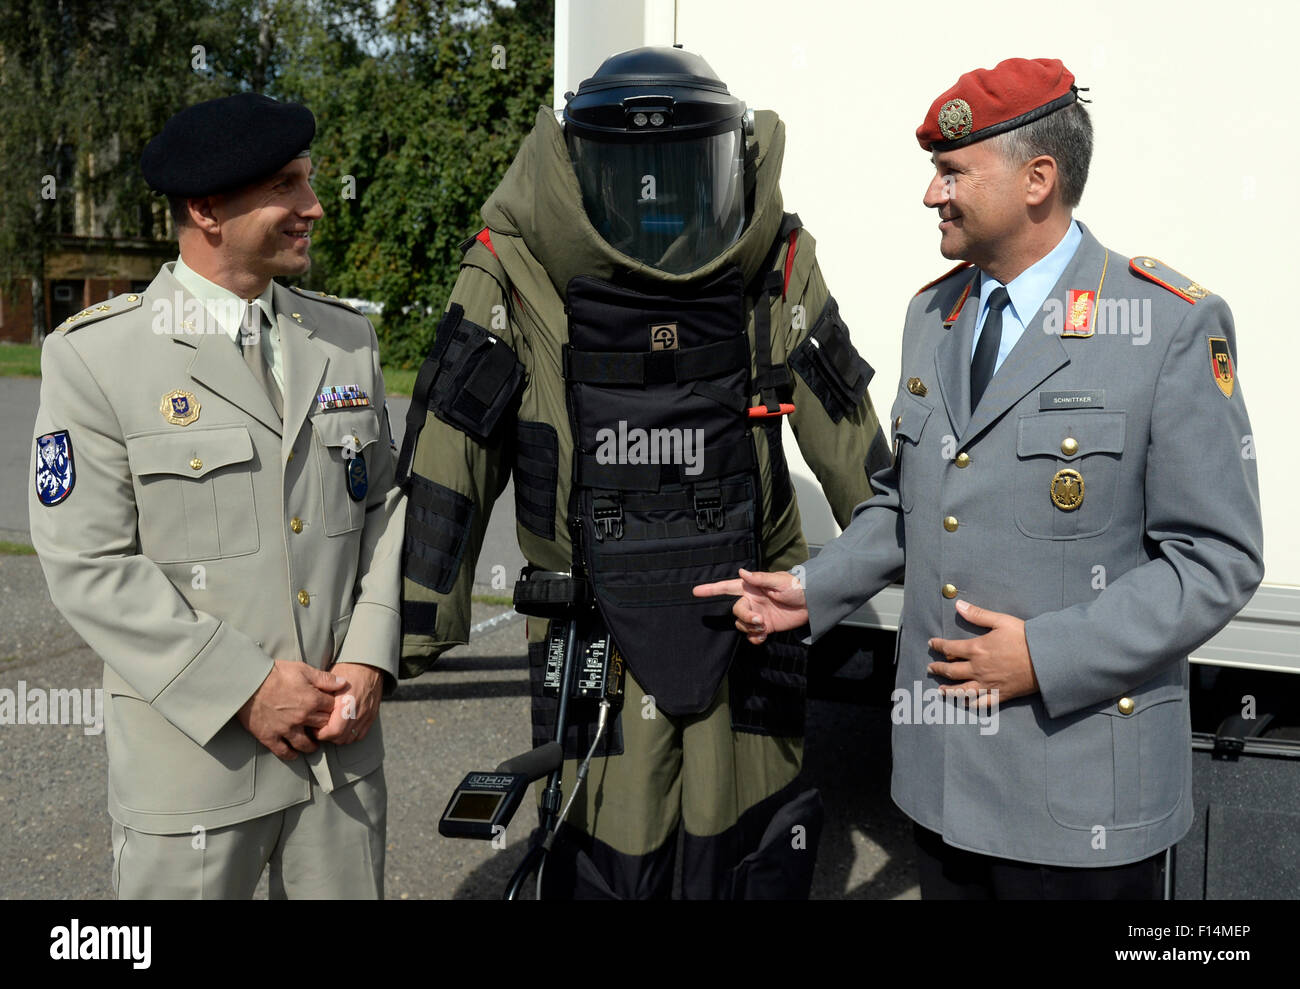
(93, 314)
(947, 274)
(1164, 276)
(333, 300)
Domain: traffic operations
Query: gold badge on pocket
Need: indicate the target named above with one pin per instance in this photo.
(180, 408)
(1067, 490)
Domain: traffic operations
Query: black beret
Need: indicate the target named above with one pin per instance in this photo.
(226, 143)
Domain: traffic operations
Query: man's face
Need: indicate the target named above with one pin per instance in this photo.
(980, 199)
(266, 226)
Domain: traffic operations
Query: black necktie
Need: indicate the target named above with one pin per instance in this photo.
(986, 351)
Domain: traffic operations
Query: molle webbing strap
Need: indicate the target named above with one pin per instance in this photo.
(536, 471)
(438, 522)
(418, 410)
(771, 380)
(657, 367)
(714, 462)
(419, 617)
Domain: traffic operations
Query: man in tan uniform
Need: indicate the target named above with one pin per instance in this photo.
(215, 513)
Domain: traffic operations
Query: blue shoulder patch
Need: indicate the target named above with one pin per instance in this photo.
(55, 472)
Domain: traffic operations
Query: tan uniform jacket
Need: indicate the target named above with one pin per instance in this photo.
(190, 556)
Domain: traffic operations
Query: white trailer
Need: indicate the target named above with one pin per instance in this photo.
(1194, 149)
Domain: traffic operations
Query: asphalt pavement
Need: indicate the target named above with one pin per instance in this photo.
(469, 712)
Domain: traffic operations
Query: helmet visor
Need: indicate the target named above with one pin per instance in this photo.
(674, 205)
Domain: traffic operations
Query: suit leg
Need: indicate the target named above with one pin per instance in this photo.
(948, 873)
(751, 829)
(1142, 880)
(219, 864)
(620, 838)
(332, 846)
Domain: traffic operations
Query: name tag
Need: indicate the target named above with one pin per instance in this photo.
(1090, 399)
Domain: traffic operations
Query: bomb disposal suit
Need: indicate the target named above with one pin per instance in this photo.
(625, 336)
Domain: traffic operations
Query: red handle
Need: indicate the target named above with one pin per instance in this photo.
(760, 411)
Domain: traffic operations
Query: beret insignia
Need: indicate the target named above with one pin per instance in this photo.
(955, 119)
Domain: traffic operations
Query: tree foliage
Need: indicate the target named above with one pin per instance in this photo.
(419, 133)
(421, 103)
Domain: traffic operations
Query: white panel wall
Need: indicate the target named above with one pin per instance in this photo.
(1195, 146)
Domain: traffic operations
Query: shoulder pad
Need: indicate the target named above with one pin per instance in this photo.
(1164, 276)
(947, 274)
(92, 314)
(333, 300)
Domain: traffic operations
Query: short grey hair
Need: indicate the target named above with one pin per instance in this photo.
(1065, 135)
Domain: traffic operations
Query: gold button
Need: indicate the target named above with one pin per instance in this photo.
(1148, 263)
(1069, 446)
(898, 421)
(296, 315)
(950, 523)
(295, 524)
(304, 598)
(132, 298)
(949, 591)
(196, 464)
(963, 459)
(1126, 705)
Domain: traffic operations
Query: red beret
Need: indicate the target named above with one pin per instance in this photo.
(986, 102)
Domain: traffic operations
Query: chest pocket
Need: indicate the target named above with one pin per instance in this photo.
(194, 493)
(1066, 459)
(907, 421)
(341, 438)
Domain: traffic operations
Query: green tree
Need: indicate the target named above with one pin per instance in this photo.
(418, 117)
(422, 104)
(84, 87)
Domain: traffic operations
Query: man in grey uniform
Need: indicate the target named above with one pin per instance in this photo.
(1074, 509)
(215, 513)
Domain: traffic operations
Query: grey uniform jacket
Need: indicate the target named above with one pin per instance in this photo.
(1164, 549)
(190, 556)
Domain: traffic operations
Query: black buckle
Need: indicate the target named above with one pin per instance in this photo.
(708, 508)
(607, 514)
(1227, 748)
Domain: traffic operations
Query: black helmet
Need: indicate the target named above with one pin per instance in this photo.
(658, 145)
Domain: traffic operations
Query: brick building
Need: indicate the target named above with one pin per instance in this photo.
(81, 271)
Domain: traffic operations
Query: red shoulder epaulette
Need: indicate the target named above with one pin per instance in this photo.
(1164, 276)
(947, 274)
(789, 261)
(484, 238)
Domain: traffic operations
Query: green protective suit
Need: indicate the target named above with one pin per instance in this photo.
(722, 781)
